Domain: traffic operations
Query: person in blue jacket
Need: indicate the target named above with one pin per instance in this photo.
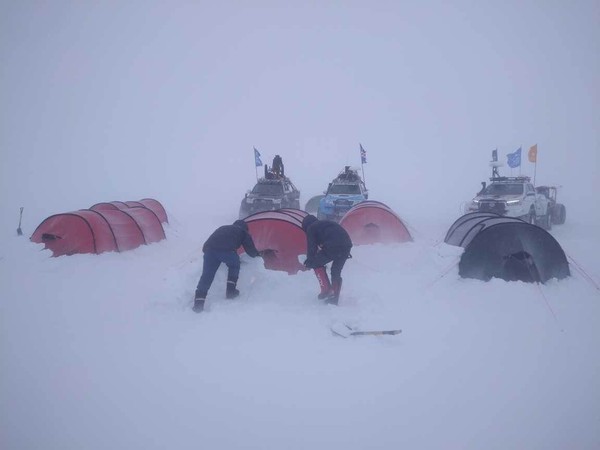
(326, 241)
(221, 247)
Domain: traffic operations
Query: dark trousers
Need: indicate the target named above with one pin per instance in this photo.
(338, 255)
(212, 261)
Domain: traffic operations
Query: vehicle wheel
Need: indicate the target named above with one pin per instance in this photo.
(531, 216)
(554, 214)
(562, 214)
(548, 221)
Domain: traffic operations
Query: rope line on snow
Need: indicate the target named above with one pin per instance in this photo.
(539, 287)
(583, 272)
(443, 274)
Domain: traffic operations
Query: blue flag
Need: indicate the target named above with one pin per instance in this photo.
(363, 155)
(257, 161)
(514, 159)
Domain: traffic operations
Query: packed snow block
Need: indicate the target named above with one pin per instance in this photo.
(281, 232)
(507, 248)
(109, 226)
(372, 222)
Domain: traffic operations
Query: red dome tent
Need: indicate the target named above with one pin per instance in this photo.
(76, 232)
(134, 204)
(104, 227)
(148, 223)
(281, 231)
(372, 222)
(103, 205)
(157, 208)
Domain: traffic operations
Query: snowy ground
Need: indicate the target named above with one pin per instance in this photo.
(104, 352)
(106, 101)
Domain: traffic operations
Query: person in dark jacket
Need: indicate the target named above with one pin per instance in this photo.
(221, 247)
(278, 165)
(326, 241)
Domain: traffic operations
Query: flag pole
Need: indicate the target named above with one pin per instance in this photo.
(362, 165)
(362, 162)
(535, 167)
(255, 165)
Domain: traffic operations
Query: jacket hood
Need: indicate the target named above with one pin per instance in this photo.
(308, 221)
(241, 224)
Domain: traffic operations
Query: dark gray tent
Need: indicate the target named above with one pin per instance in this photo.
(312, 205)
(507, 248)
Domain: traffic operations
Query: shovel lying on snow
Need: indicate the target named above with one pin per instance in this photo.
(346, 331)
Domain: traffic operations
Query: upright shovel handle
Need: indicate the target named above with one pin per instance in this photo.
(19, 231)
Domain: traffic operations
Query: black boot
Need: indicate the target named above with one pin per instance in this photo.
(231, 291)
(199, 300)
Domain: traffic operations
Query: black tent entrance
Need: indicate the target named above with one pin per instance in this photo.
(506, 248)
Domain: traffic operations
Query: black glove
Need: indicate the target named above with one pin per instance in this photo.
(308, 263)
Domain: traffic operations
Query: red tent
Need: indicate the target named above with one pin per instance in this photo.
(281, 231)
(156, 207)
(372, 222)
(76, 232)
(103, 205)
(150, 203)
(104, 227)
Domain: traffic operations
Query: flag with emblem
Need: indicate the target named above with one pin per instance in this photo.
(363, 155)
(257, 160)
(514, 158)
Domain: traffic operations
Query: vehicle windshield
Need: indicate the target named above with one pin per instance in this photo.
(504, 189)
(344, 189)
(268, 189)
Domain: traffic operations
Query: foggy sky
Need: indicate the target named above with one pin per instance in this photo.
(116, 100)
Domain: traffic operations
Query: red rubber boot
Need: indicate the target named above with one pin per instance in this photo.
(324, 283)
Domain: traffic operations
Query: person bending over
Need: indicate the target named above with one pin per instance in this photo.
(221, 247)
(326, 241)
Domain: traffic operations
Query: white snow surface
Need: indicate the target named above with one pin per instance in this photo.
(104, 351)
(105, 101)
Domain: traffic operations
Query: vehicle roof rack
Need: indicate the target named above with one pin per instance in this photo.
(349, 174)
(520, 179)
